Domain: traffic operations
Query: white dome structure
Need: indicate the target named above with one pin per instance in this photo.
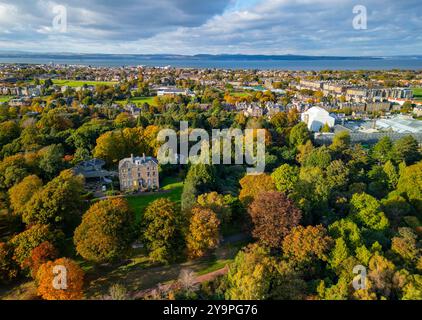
(316, 118)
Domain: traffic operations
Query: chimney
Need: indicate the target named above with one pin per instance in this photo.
(131, 157)
(143, 155)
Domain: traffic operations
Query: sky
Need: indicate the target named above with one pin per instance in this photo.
(308, 27)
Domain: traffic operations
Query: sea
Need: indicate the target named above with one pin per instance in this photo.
(186, 62)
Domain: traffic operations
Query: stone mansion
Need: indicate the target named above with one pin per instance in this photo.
(138, 174)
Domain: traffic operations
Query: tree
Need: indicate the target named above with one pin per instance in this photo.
(22, 192)
(341, 142)
(406, 149)
(43, 253)
(304, 246)
(9, 130)
(381, 152)
(203, 232)
(299, 134)
(217, 204)
(51, 160)
(253, 185)
(410, 185)
(256, 275)
(106, 231)
(273, 216)
(26, 241)
(200, 179)
(58, 203)
(162, 230)
(405, 245)
(8, 268)
(72, 287)
(285, 178)
(366, 210)
(319, 157)
(337, 175)
(326, 128)
(250, 274)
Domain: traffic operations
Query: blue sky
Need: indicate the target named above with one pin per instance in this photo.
(312, 27)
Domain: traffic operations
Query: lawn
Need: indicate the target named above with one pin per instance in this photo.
(80, 83)
(139, 101)
(240, 94)
(171, 188)
(5, 98)
(417, 93)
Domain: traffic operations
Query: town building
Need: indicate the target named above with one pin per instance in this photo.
(138, 174)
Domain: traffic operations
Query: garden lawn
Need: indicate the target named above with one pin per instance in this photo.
(417, 93)
(5, 98)
(80, 83)
(139, 101)
(171, 188)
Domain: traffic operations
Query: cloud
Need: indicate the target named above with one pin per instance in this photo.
(218, 26)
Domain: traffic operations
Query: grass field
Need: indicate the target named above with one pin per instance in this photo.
(172, 190)
(80, 83)
(417, 93)
(139, 101)
(240, 94)
(5, 98)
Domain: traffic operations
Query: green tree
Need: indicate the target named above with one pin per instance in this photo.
(285, 178)
(366, 210)
(381, 152)
(410, 185)
(299, 134)
(59, 202)
(406, 149)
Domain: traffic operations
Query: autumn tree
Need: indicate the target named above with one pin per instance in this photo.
(106, 231)
(273, 216)
(70, 286)
(256, 275)
(162, 222)
(405, 246)
(253, 185)
(304, 246)
(26, 241)
(22, 192)
(43, 253)
(203, 234)
(216, 202)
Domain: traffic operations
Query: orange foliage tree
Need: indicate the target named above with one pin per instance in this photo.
(203, 232)
(59, 285)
